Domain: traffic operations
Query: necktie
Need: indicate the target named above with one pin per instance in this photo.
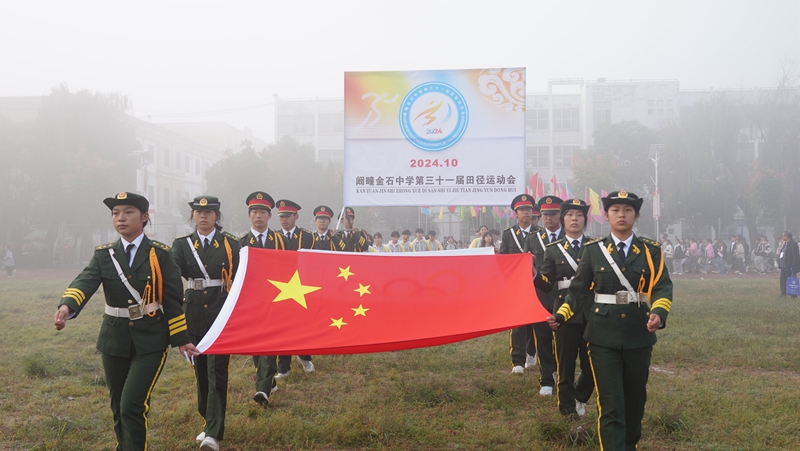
(552, 237)
(288, 236)
(128, 250)
(205, 244)
(621, 248)
(524, 234)
(261, 239)
(576, 244)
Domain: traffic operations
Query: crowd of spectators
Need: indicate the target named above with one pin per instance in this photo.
(687, 256)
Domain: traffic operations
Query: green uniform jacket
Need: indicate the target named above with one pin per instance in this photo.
(354, 242)
(301, 239)
(203, 306)
(270, 241)
(534, 246)
(619, 326)
(555, 267)
(508, 243)
(148, 334)
(328, 242)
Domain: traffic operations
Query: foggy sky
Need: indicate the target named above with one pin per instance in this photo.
(194, 57)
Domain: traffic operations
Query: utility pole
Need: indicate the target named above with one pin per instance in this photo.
(655, 151)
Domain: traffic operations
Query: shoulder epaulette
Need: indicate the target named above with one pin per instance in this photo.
(303, 230)
(159, 245)
(103, 246)
(508, 228)
(230, 236)
(650, 242)
(559, 241)
(242, 237)
(593, 240)
(183, 236)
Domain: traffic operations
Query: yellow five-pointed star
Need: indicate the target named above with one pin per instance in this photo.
(293, 289)
(362, 290)
(345, 272)
(360, 310)
(338, 322)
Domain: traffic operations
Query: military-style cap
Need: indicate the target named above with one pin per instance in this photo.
(260, 199)
(287, 207)
(622, 197)
(323, 211)
(205, 203)
(348, 213)
(549, 204)
(574, 204)
(536, 211)
(125, 198)
(523, 200)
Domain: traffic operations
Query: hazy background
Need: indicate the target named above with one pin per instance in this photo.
(181, 60)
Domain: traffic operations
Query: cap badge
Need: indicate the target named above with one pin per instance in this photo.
(548, 201)
(322, 209)
(523, 198)
(283, 204)
(576, 202)
(122, 196)
(259, 196)
(623, 195)
(203, 202)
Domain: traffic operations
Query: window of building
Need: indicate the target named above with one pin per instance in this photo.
(178, 159)
(165, 200)
(331, 123)
(650, 103)
(537, 157)
(562, 156)
(566, 119)
(669, 103)
(187, 164)
(537, 119)
(650, 112)
(166, 158)
(151, 152)
(602, 113)
(669, 112)
(295, 124)
(660, 103)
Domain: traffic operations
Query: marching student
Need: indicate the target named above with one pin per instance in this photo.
(143, 315)
(208, 259)
(631, 298)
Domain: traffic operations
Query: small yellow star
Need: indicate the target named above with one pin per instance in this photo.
(338, 323)
(345, 272)
(360, 310)
(362, 290)
(293, 289)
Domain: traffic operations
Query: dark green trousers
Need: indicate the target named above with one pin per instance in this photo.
(570, 346)
(285, 362)
(130, 382)
(620, 376)
(266, 368)
(211, 372)
(543, 336)
(521, 342)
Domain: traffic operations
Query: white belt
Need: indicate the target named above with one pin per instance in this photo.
(623, 297)
(122, 312)
(201, 284)
(564, 284)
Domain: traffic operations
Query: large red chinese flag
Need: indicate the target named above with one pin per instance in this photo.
(316, 302)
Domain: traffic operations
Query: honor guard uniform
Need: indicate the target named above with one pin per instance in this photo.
(293, 238)
(324, 241)
(535, 244)
(561, 259)
(259, 210)
(208, 263)
(631, 297)
(143, 317)
(521, 341)
(351, 239)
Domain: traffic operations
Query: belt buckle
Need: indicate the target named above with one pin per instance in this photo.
(198, 284)
(135, 311)
(622, 297)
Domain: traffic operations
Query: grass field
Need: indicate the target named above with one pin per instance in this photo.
(725, 376)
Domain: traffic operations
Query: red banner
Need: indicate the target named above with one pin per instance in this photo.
(316, 302)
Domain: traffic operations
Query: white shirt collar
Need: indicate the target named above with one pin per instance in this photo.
(580, 239)
(291, 231)
(557, 232)
(627, 242)
(136, 242)
(526, 230)
(210, 236)
(256, 233)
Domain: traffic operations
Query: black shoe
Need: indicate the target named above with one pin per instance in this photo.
(261, 398)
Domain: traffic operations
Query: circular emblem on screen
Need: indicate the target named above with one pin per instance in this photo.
(433, 116)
